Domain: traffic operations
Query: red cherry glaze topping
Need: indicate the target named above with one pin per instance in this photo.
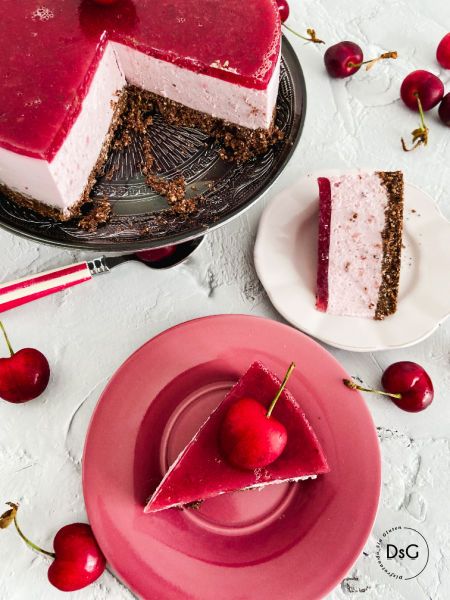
(444, 110)
(345, 58)
(250, 438)
(105, 1)
(443, 52)
(406, 383)
(24, 375)
(78, 560)
(52, 51)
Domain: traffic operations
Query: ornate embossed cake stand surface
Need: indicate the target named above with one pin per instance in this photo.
(228, 188)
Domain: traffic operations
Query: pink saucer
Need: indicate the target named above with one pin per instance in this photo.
(286, 541)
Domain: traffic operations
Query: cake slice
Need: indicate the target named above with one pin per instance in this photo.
(201, 471)
(360, 240)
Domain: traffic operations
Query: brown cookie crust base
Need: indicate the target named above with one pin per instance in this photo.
(392, 244)
(239, 143)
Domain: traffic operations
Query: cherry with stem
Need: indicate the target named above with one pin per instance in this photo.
(283, 8)
(346, 58)
(250, 437)
(406, 383)
(77, 560)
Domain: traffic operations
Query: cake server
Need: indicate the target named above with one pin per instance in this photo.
(27, 289)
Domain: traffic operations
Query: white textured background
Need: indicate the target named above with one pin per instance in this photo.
(88, 331)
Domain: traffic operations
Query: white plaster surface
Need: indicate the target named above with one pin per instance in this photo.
(88, 331)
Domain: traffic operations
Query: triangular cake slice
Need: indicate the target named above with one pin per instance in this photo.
(201, 472)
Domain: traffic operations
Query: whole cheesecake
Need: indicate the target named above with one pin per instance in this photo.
(65, 66)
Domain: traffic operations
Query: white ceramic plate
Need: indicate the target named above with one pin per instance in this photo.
(286, 262)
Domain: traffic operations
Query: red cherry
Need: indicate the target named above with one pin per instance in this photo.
(406, 383)
(24, 375)
(250, 438)
(443, 52)
(412, 382)
(423, 85)
(283, 7)
(157, 254)
(420, 91)
(78, 558)
(444, 110)
(343, 59)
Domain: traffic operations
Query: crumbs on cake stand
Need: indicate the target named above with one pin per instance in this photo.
(100, 213)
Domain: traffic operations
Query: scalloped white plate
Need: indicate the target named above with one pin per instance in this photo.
(286, 262)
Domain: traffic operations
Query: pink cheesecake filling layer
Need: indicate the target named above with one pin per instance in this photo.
(355, 251)
(200, 471)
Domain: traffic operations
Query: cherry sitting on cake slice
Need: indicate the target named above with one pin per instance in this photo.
(201, 471)
(250, 437)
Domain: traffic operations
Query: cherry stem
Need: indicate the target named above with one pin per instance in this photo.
(420, 135)
(312, 35)
(352, 385)
(6, 338)
(419, 104)
(274, 401)
(52, 554)
(371, 62)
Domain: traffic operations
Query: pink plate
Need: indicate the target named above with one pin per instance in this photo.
(290, 541)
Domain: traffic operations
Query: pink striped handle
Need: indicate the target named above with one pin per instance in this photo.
(31, 288)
